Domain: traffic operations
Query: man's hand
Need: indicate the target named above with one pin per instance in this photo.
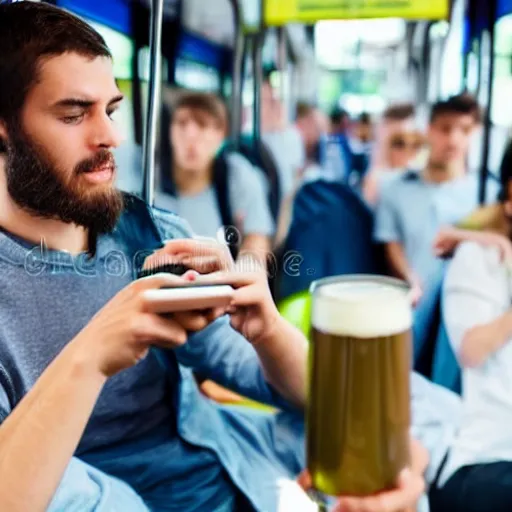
(410, 487)
(203, 255)
(404, 498)
(416, 291)
(253, 311)
(120, 334)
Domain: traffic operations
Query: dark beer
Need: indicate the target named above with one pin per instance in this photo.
(359, 405)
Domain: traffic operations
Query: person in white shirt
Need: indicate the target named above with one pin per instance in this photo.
(477, 299)
(396, 148)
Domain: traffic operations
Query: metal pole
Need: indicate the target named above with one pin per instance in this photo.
(236, 91)
(153, 105)
(257, 62)
(282, 61)
(488, 122)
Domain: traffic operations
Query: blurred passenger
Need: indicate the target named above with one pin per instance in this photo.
(311, 125)
(397, 145)
(413, 208)
(340, 133)
(362, 143)
(397, 118)
(283, 140)
(321, 159)
(477, 310)
(195, 188)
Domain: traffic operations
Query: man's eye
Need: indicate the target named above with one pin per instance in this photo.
(73, 119)
(111, 113)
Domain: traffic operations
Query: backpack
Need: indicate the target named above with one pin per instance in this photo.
(331, 233)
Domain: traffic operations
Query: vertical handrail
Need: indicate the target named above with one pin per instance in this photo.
(257, 62)
(484, 168)
(282, 61)
(153, 104)
(238, 64)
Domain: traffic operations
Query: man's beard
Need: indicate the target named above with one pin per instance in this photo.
(37, 186)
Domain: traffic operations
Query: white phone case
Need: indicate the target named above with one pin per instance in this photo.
(188, 298)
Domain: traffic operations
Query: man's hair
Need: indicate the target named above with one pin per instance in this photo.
(304, 110)
(365, 118)
(462, 104)
(201, 104)
(29, 33)
(399, 112)
(338, 115)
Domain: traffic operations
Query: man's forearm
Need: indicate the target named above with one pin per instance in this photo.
(256, 247)
(38, 439)
(397, 260)
(283, 355)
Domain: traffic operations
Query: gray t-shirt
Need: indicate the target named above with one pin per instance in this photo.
(287, 148)
(411, 211)
(46, 298)
(248, 199)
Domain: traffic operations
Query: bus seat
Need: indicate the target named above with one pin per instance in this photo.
(331, 233)
(297, 310)
(426, 324)
(433, 356)
(445, 368)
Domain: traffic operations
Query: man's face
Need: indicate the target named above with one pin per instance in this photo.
(312, 127)
(195, 138)
(59, 164)
(449, 137)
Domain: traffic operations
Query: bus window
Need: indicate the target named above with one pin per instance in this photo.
(197, 76)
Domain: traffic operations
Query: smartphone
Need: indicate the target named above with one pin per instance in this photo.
(189, 297)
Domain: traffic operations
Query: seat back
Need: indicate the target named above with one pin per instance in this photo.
(330, 234)
(433, 354)
(297, 310)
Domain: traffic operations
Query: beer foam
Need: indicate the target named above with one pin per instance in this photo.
(362, 309)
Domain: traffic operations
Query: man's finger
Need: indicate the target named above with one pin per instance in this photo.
(191, 321)
(164, 332)
(159, 280)
(304, 480)
(235, 279)
(206, 264)
(190, 247)
(410, 488)
(215, 313)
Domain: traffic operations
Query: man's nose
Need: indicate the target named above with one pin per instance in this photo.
(104, 133)
(191, 131)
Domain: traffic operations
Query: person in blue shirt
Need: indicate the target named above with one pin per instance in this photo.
(339, 133)
(415, 207)
(99, 410)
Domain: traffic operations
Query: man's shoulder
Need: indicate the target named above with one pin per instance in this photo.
(244, 175)
(400, 184)
(170, 225)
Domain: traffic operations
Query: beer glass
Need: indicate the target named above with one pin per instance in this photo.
(358, 412)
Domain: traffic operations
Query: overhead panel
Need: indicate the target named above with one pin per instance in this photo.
(280, 12)
(212, 20)
(115, 14)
